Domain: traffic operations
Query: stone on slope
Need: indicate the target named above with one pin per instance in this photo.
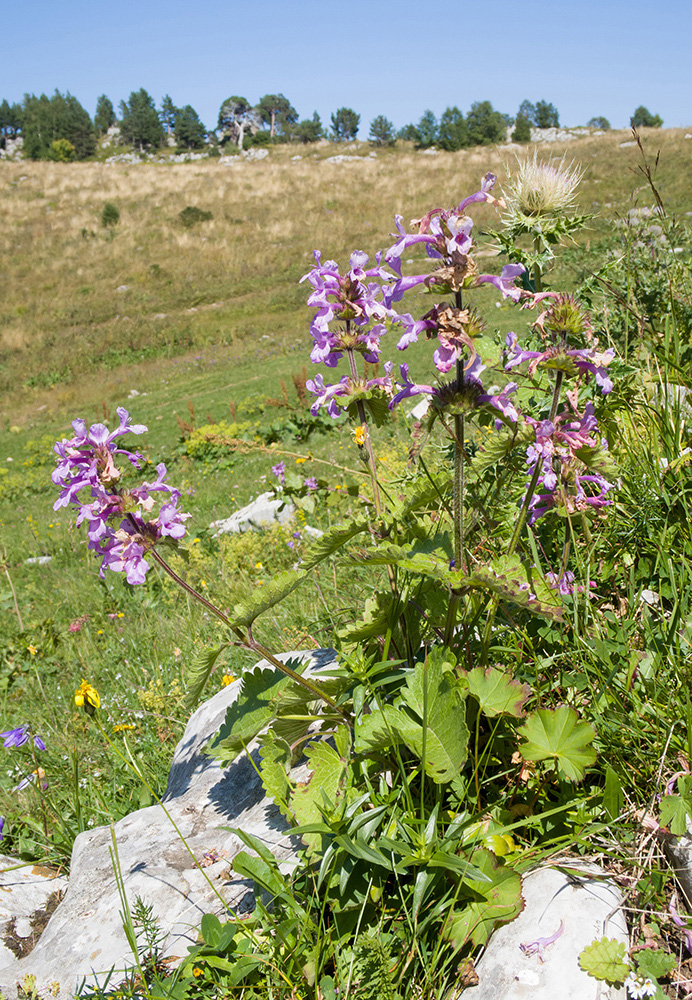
(28, 895)
(264, 512)
(587, 905)
(85, 937)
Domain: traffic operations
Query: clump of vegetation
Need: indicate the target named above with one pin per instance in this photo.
(110, 215)
(191, 215)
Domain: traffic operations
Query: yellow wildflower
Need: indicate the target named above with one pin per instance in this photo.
(197, 972)
(87, 697)
(32, 649)
(227, 679)
(299, 461)
(122, 727)
(359, 435)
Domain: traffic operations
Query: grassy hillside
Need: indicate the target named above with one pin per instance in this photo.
(80, 298)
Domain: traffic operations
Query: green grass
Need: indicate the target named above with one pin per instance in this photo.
(235, 328)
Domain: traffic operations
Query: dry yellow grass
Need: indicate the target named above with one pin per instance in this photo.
(77, 297)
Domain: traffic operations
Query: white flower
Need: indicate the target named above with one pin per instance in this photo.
(638, 988)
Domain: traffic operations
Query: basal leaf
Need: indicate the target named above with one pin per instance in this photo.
(323, 790)
(275, 754)
(202, 666)
(437, 732)
(605, 959)
(497, 900)
(673, 814)
(265, 597)
(655, 962)
(557, 734)
(497, 692)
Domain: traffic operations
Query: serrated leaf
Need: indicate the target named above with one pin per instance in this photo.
(428, 695)
(323, 790)
(655, 962)
(265, 597)
(202, 666)
(557, 733)
(331, 541)
(497, 446)
(249, 714)
(673, 814)
(500, 901)
(605, 959)
(497, 692)
(512, 581)
(275, 754)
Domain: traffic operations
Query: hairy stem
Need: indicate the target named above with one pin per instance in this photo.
(246, 641)
(458, 499)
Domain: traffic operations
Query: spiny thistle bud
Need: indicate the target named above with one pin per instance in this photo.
(565, 318)
(537, 188)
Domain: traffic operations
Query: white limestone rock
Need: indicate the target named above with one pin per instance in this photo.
(84, 937)
(587, 904)
(264, 512)
(28, 892)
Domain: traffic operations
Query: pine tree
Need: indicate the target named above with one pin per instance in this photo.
(453, 132)
(190, 133)
(382, 131)
(105, 115)
(345, 124)
(140, 124)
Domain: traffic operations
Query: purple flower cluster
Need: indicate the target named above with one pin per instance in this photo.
(353, 300)
(13, 738)
(564, 480)
(120, 525)
(588, 360)
(470, 395)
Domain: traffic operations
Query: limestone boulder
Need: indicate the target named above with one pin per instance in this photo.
(84, 938)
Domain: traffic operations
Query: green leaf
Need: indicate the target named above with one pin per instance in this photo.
(673, 814)
(249, 714)
(497, 692)
(265, 597)
(654, 963)
(211, 929)
(500, 901)
(324, 789)
(331, 541)
(201, 667)
(275, 754)
(557, 733)
(497, 446)
(605, 959)
(613, 796)
(430, 695)
(267, 876)
(512, 581)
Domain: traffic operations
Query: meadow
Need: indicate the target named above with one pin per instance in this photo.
(198, 326)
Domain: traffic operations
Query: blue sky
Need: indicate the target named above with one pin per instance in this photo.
(595, 57)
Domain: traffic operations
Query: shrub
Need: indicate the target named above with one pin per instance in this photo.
(61, 150)
(110, 216)
(191, 215)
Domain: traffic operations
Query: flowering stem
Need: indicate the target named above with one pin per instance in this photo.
(247, 641)
(458, 499)
(518, 527)
(537, 275)
(362, 416)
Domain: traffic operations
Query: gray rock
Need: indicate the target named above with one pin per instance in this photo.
(85, 937)
(27, 892)
(264, 512)
(588, 905)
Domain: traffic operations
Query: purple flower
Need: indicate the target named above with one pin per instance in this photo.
(15, 737)
(469, 396)
(347, 389)
(87, 458)
(279, 471)
(353, 301)
(2, 826)
(585, 360)
(38, 743)
(505, 282)
(564, 479)
(311, 484)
